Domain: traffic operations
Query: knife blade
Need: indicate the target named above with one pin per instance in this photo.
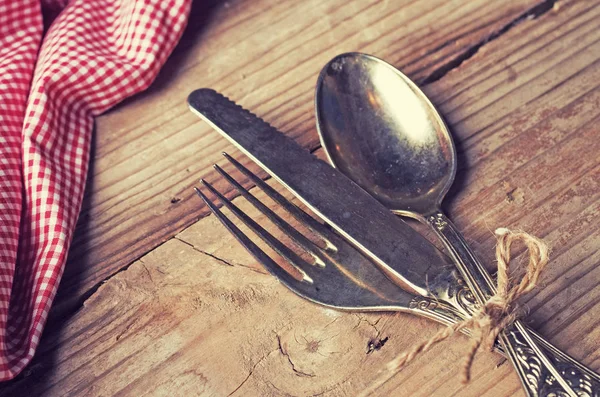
(403, 254)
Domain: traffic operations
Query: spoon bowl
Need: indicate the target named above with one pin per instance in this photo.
(379, 129)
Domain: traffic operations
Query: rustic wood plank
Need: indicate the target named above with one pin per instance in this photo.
(267, 55)
(183, 320)
(197, 316)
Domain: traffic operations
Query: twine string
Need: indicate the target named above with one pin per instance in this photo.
(498, 312)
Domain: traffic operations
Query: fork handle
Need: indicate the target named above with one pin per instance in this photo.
(436, 310)
(543, 371)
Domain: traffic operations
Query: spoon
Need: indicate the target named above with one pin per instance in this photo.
(379, 129)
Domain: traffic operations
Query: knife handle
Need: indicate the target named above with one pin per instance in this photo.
(543, 369)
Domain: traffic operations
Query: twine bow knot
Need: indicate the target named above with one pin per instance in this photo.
(498, 312)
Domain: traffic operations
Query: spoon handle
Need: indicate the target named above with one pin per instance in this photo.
(547, 372)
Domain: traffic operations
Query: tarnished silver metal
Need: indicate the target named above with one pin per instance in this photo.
(340, 277)
(404, 256)
(379, 129)
(337, 275)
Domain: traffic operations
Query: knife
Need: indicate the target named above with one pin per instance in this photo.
(403, 254)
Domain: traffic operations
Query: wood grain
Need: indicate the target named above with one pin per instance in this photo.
(198, 316)
(266, 54)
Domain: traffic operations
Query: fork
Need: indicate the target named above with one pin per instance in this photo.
(339, 276)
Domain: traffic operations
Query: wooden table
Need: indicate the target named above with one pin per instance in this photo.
(158, 299)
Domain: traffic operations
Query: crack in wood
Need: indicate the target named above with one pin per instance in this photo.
(252, 371)
(219, 259)
(287, 355)
(192, 246)
(81, 302)
(366, 320)
(533, 13)
(374, 343)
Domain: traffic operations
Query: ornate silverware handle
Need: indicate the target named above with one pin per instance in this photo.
(436, 309)
(582, 380)
(543, 369)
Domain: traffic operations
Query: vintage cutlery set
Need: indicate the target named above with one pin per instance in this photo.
(391, 153)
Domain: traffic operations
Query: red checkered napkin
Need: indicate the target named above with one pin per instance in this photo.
(94, 54)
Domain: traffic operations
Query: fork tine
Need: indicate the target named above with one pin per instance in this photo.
(334, 286)
(289, 255)
(252, 248)
(302, 216)
(298, 238)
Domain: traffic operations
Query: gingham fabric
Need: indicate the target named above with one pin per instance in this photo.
(53, 82)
